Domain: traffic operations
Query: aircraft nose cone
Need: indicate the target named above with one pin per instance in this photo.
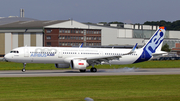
(6, 57)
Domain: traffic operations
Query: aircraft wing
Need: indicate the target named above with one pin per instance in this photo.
(99, 60)
(102, 59)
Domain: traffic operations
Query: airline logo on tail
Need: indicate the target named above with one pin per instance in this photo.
(155, 41)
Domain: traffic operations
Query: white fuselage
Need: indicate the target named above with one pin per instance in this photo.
(66, 54)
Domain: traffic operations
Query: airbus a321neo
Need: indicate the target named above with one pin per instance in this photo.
(80, 58)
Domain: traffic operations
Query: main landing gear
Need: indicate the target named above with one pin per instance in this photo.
(93, 69)
(24, 65)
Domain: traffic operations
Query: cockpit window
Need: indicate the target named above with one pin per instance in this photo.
(14, 52)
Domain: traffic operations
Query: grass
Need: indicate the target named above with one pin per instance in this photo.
(99, 88)
(147, 64)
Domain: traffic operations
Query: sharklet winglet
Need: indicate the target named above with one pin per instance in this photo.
(133, 49)
(81, 45)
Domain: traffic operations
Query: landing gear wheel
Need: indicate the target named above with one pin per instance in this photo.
(93, 69)
(24, 65)
(23, 70)
(82, 70)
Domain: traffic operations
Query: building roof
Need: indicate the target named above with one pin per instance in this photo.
(31, 24)
(108, 26)
(14, 19)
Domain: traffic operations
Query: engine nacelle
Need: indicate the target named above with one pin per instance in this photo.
(62, 65)
(78, 64)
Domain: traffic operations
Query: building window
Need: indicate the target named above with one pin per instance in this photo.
(82, 32)
(48, 31)
(60, 37)
(76, 31)
(66, 37)
(60, 30)
(69, 44)
(48, 37)
(68, 31)
(60, 44)
(48, 43)
(82, 38)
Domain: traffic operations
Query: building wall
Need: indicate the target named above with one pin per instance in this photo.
(67, 37)
(124, 33)
(27, 39)
(115, 36)
(15, 40)
(10, 41)
(39, 39)
(2, 45)
(174, 34)
(54, 37)
(33, 39)
(20, 39)
(109, 35)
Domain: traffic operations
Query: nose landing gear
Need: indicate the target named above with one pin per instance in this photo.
(24, 65)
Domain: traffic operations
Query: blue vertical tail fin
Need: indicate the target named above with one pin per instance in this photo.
(153, 45)
(155, 42)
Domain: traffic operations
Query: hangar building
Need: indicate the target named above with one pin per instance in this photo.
(18, 33)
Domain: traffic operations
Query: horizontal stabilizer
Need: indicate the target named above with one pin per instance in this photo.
(160, 53)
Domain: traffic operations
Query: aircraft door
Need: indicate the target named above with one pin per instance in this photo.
(100, 53)
(59, 54)
(26, 52)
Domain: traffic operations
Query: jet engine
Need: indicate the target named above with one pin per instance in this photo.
(78, 64)
(62, 65)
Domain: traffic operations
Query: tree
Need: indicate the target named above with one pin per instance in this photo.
(169, 25)
(166, 48)
(115, 22)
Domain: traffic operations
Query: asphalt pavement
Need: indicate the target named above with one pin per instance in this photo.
(100, 72)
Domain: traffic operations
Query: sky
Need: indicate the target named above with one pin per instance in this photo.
(94, 11)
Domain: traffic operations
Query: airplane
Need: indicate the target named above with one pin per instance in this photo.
(79, 57)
